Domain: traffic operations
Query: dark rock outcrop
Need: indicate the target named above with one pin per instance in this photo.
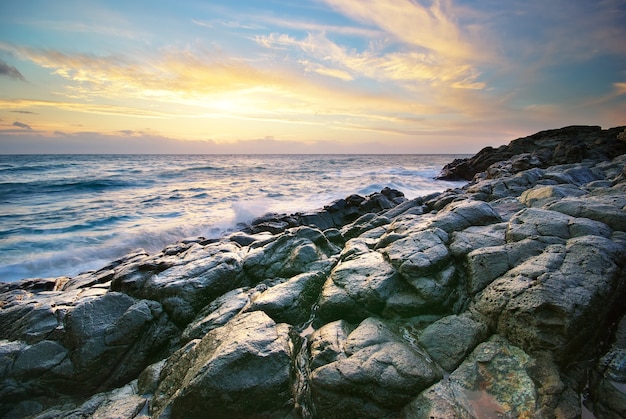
(503, 298)
(571, 144)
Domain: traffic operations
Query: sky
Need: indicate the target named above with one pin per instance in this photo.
(308, 76)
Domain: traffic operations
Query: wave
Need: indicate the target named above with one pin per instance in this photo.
(65, 186)
(11, 169)
(78, 257)
(48, 229)
(96, 208)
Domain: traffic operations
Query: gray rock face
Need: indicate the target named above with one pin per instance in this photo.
(237, 370)
(492, 300)
(449, 340)
(379, 374)
(479, 389)
(608, 383)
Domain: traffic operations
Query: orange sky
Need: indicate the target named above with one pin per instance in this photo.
(327, 76)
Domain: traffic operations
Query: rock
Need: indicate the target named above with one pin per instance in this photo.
(359, 309)
(534, 223)
(237, 370)
(337, 214)
(608, 381)
(291, 253)
(541, 195)
(291, 301)
(493, 382)
(606, 210)
(476, 237)
(449, 340)
(380, 374)
(203, 274)
(326, 344)
(486, 264)
(121, 403)
(423, 261)
(566, 145)
(218, 313)
(359, 287)
(35, 360)
(459, 215)
(554, 300)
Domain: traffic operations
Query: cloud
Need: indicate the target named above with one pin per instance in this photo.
(172, 75)
(22, 125)
(301, 25)
(404, 66)
(10, 71)
(433, 28)
(226, 23)
(90, 108)
(25, 112)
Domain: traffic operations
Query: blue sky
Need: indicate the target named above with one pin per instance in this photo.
(319, 76)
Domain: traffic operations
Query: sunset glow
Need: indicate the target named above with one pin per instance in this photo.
(325, 76)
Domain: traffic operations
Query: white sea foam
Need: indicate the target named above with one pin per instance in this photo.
(61, 215)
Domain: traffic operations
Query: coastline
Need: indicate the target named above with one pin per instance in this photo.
(500, 297)
(63, 215)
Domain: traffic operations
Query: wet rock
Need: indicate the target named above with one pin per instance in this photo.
(291, 301)
(423, 261)
(326, 344)
(218, 313)
(449, 340)
(358, 288)
(554, 300)
(205, 273)
(608, 381)
(240, 369)
(493, 382)
(337, 214)
(291, 253)
(380, 374)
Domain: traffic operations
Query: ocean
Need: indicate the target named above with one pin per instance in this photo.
(61, 215)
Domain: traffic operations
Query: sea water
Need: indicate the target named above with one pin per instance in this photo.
(65, 214)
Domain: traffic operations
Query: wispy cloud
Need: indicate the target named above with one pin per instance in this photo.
(91, 108)
(405, 66)
(25, 112)
(231, 24)
(311, 26)
(433, 28)
(10, 71)
(22, 125)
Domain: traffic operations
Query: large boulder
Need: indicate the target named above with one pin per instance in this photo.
(293, 252)
(553, 301)
(449, 340)
(239, 370)
(291, 301)
(98, 329)
(363, 285)
(380, 374)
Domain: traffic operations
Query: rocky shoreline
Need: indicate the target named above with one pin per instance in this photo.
(503, 298)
